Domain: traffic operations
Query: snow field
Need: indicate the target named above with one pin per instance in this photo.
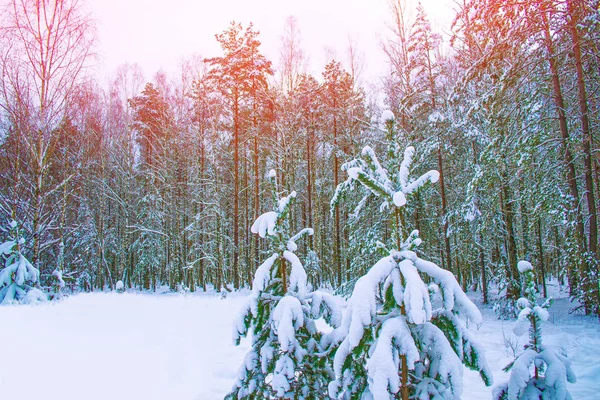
(121, 347)
(172, 347)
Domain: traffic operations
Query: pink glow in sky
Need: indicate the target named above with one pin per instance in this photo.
(158, 34)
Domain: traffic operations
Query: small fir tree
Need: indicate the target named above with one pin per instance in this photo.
(19, 276)
(283, 362)
(400, 337)
(58, 284)
(540, 371)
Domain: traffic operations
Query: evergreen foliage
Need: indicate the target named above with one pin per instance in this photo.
(18, 278)
(399, 335)
(540, 371)
(284, 361)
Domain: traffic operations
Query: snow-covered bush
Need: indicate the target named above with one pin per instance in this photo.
(18, 277)
(400, 336)
(283, 362)
(119, 287)
(539, 371)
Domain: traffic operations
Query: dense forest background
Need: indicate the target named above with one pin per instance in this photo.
(158, 182)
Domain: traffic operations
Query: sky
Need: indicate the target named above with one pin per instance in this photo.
(158, 34)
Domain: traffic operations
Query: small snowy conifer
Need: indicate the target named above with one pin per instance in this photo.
(551, 366)
(58, 283)
(399, 336)
(283, 362)
(18, 277)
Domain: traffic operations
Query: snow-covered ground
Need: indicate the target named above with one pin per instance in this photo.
(577, 334)
(140, 346)
(120, 346)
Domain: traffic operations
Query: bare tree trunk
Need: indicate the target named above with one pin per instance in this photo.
(564, 131)
(201, 267)
(513, 290)
(541, 256)
(448, 255)
(255, 242)
(309, 210)
(484, 289)
(236, 193)
(586, 138)
(337, 257)
(247, 273)
(524, 220)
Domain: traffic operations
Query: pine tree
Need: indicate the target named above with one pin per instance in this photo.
(152, 123)
(283, 362)
(397, 333)
(551, 366)
(240, 75)
(19, 276)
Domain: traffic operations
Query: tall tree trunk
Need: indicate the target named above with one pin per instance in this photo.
(484, 289)
(541, 256)
(255, 242)
(569, 162)
(448, 254)
(236, 192)
(309, 183)
(247, 273)
(337, 256)
(524, 220)
(590, 287)
(586, 138)
(564, 131)
(513, 290)
(201, 277)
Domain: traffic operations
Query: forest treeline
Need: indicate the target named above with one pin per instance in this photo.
(158, 182)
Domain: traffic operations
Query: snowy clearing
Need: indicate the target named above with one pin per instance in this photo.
(120, 346)
(141, 346)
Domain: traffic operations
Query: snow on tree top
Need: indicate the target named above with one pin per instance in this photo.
(524, 266)
(271, 173)
(13, 224)
(387, 115)
(399, 199)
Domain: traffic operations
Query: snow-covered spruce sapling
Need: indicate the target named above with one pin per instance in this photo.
(400, 337)
(284, 360)
(58, 284)
(540, 371)
(18, 277)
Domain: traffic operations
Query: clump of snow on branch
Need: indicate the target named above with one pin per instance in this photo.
(283, 203)
(387, 115)
(524, 266)
(265, 224)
